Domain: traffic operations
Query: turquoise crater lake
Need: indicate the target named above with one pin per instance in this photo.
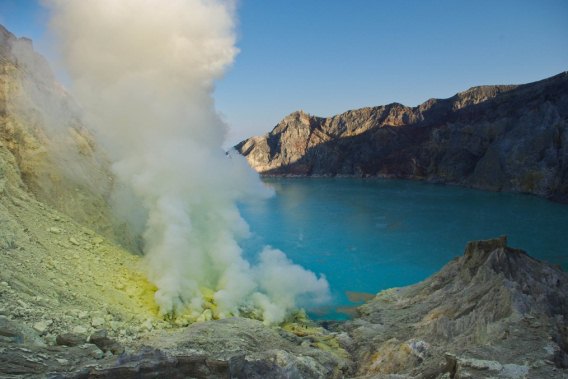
(366, 235)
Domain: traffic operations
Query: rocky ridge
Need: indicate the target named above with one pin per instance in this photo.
(499, 138)
(494, 312)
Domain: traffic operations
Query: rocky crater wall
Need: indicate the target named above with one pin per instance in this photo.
(499, 138)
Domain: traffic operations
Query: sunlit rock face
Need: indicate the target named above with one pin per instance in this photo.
(503, 138)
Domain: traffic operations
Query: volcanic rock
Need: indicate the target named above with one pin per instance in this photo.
(79, 329)
(495, 312)
(70, 339)
(102, 341)
(40, 327)
(501, 138)
(97, 322)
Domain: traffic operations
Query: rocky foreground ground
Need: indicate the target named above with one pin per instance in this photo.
(79, 310)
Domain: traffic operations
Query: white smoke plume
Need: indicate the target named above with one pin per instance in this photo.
(144, 72)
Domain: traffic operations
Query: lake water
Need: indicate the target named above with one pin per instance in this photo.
(367, 235)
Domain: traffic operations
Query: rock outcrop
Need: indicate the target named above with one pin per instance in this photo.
(494, 312)
(231, 348)
(500, 138)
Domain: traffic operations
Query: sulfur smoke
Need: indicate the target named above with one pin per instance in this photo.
(144, 73)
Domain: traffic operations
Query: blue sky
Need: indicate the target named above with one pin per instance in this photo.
(328, 56)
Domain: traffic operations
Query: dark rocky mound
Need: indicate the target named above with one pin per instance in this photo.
(502, 138)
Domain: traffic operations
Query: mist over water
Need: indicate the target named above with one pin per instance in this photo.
(369, 235)
(144, 74)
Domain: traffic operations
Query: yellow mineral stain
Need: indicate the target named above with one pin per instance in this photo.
(144, 292)
(317, 336)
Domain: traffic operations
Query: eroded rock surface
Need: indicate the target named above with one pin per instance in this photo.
(230, 348)
(236, 347)
(494, 312)
(501, 138)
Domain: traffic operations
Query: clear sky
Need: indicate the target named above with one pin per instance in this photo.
(328, 56)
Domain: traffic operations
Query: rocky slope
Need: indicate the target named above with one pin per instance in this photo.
(56, 156)
(57, 275)
(83, 311)
(501, 138)
(495, 312)
(75, 305)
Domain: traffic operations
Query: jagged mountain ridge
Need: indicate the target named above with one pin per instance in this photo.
(500, 138)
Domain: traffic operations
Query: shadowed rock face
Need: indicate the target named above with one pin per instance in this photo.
(501, 138)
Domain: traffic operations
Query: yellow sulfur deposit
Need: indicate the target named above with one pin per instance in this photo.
(301, 326)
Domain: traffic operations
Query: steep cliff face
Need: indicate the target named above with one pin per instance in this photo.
(55, 155)
(501, 138)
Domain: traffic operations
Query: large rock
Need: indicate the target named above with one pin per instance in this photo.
(495, 312)
(102, 341)
(503, 138)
